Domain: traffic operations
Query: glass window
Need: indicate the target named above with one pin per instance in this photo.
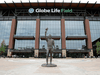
(94, 29)
(75, 44)
(26, 28)
(24, 43)
(5, 27)
(54, 28)
(74, 28)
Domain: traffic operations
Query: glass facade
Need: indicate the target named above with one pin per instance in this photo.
(95, 30)
(54, 28)
(74, 28)
(21, 44)
(25, 28)
(5, 27)
(28, 28)
(75, 44)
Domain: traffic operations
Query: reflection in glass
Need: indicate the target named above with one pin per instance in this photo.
(75, 44)
(24, 44)
(74, 28)
(26, 28)
(54, 28)
(5, 27)
(95, 30)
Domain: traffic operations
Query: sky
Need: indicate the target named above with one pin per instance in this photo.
(66, 1)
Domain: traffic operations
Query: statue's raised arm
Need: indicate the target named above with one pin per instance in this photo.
(45, 34)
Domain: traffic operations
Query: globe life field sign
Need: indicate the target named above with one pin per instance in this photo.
(52, 10)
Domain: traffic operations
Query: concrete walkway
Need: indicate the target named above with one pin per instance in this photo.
(65, 66)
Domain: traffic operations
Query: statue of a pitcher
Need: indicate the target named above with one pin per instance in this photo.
(50, 44)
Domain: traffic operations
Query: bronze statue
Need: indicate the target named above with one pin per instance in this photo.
(50, 44)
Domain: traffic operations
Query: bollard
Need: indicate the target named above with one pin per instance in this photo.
(98, 56)
(85, 57)
(89, 56)
(93, 56)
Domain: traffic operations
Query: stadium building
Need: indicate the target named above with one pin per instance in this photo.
(73, 26)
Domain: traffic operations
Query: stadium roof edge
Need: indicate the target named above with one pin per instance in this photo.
(50, 4)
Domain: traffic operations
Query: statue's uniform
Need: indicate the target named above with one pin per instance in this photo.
(50, 44)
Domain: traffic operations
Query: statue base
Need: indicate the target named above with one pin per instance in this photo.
(49, 65)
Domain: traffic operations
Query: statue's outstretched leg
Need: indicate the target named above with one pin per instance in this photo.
(51, 56)
(47, 56)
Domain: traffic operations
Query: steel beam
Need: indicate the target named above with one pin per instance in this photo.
(13, 12)
(70, 4)
(86, 4)
(38, 3)
(30, 3)
(46, 3)
(6, 3)
(78, 3)
(5, 12)
(94, 4)
(22, 4)
(54, 3)
(62, 3)
(14, 4)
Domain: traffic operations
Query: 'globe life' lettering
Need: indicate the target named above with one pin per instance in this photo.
(52, 10)
(43, 10)
(55, 10)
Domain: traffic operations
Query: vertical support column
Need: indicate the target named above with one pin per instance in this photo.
(11, 39)
(89, 43)
(63, 41)
(36, 51)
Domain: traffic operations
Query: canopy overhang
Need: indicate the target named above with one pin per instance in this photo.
(46, 4)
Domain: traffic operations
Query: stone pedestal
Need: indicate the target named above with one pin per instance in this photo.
(64, 53)
(9, 53)
(91, 53)
(49, 65)
(36, 53)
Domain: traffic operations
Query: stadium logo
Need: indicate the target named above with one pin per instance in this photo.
(52, 10)
(31, 10)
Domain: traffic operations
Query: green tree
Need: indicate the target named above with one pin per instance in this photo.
(98, 47)
(2, 49)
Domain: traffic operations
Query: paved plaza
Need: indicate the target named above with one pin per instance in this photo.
(65, 66)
